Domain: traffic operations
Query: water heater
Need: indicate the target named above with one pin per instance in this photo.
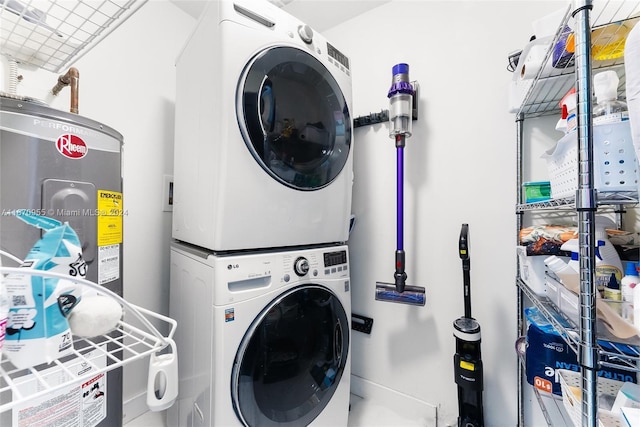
(67, 167)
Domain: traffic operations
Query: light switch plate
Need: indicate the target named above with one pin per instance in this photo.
(167, 193)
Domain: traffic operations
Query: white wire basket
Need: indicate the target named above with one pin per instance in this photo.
(570, 383)
(52, 33)
(134, 338)
(614, 161)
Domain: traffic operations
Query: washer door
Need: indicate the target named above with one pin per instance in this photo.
(294, 118)
(291, 359)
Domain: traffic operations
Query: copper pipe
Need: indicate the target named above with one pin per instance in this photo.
(72, 77)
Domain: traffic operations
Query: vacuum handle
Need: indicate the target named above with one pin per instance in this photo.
(463, 251)
(463, 243)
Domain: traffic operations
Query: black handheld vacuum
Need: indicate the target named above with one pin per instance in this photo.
(467, 362)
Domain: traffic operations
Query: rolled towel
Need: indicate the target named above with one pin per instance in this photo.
(94, 316)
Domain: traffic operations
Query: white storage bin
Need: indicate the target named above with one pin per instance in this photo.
(571, 382)
(553, 290)
(614, 161)
(532, 270)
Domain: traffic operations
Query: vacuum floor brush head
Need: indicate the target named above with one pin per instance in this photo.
(412, 295)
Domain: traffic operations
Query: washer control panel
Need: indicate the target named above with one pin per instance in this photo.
(335, 262)
(315, 264)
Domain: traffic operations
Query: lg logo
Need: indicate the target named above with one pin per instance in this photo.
(232, 266)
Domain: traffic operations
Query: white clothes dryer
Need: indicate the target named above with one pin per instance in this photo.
(263, 132)
(264, 337)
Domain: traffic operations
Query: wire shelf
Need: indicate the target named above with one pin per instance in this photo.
(541, 95)
(133, 339)
(50, 34)
(604, 199)
(625, 352)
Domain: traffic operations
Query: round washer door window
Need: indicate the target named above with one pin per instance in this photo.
(291, 359)
(294, 118)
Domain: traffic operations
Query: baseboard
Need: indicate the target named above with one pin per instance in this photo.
(409, 406)
(134, 407)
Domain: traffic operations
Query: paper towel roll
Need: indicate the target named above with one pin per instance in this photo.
(533, 60)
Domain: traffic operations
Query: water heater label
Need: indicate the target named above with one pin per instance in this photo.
(71, 146)
(108, 263)
(110, 213)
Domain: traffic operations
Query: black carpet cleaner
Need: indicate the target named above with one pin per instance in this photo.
(467, 360)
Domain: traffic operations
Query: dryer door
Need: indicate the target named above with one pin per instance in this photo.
(291, 359)
(294, 118)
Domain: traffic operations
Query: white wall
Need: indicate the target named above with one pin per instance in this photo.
(128, 82)
(460, 167)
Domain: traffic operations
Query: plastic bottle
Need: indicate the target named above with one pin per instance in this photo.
(608, 109)
(628, 287)
(612, 290)
(629, 281)
(568, 121)
(607, 258)
(573, 246)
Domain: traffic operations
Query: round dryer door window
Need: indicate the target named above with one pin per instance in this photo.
(294, 118)
(291, 359)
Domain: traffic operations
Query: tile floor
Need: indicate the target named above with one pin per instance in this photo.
(363, 413)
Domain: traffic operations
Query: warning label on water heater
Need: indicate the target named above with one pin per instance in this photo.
(109, 215)
(110, 212)
(108, 263)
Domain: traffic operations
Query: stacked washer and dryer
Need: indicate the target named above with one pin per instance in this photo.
(262, 198)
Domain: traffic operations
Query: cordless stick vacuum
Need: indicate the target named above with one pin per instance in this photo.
(467, 361)
(400, 116)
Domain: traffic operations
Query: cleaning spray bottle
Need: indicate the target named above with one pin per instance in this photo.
(608, 108)
(568, 121)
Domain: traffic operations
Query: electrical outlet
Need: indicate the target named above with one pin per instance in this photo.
(167, 193)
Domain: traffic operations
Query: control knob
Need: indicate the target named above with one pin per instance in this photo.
(306, 33)
(301, 266)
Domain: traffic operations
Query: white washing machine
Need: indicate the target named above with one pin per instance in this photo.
(263, 132)
(264, 337)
